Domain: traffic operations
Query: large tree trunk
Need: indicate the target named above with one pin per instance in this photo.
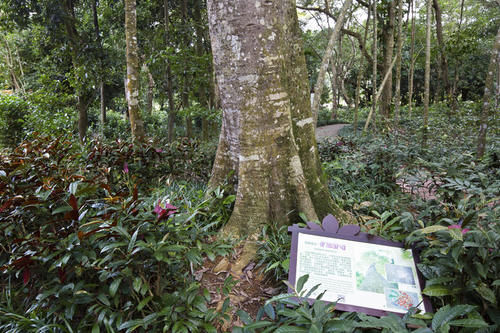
(388, 37)
(132, 87)
(267, 137)
(488, 88)
(318, 88)
(427, 76)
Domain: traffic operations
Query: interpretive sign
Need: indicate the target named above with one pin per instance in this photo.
(359, 271)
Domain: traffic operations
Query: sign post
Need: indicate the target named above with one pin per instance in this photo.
(359, 271)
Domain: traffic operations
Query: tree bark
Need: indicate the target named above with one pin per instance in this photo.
(374, 68)
(388, 36)
(453, 95)
(168, 73)
(427, 77)
(318, 88)
(360, 75)
(443, 61)
(488, 88)
(132, 88)
(334, 82)
(267, 137)
(83, 96)
(399, 46)
(185, 83)
(101, 69)
(412, 60)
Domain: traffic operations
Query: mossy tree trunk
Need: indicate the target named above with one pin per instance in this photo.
(267, 137)
(132, 87)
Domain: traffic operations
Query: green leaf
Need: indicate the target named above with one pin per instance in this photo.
(104, 299)
(486, 293)
(114, 287)
(472, 323)
(245, 317)
(300, 283)
(143, 303)
(95, 328)
(279, 298)
(132, 240)
(456, 234)
(447, 314)
(291, 329)
(433, 228)
(437, 290)
(137, 284)
(258, 324)
(62, 209)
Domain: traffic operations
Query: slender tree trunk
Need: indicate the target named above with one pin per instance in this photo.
(102, 95)
(427, 78)
(150, 93)
(318, 88)
(399, 46)
(380, 91)
(454, 102)
(202, 89)
(333, 80)
(83, 97)
(169, 85)
(443, 61)
(360, 73)
(267, 135)
(185, 83)
(388, 36)
(132, 88)
(488, 89)
(412, 60)
(374, 68)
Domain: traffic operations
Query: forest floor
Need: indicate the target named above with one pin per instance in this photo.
(329, 131)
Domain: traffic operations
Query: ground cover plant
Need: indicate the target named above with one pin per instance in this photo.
(84, 249)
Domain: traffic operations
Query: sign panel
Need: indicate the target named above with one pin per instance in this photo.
(360, 272)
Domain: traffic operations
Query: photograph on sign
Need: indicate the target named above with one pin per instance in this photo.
(358, 272)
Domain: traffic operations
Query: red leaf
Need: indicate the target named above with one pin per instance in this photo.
(26, 276)
(73, 203)
(62, 275)
(6, 205)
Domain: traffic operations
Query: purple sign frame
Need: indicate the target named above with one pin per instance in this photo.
(351, 232)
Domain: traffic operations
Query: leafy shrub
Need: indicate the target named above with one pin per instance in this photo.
(78, 255)
(13, 110)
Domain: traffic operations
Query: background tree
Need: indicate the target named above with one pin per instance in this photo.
(132, 88)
